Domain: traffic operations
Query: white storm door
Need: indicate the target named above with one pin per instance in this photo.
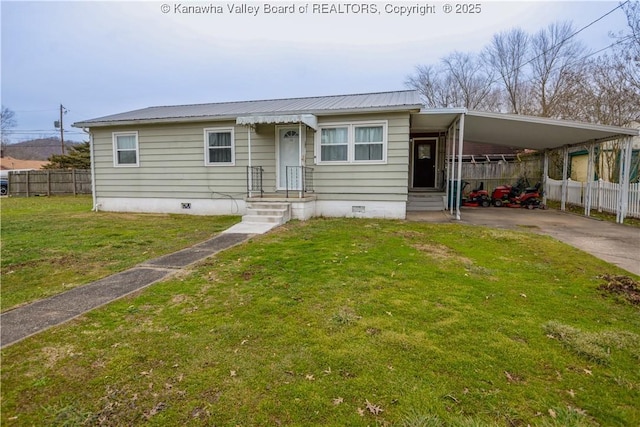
(289, 155)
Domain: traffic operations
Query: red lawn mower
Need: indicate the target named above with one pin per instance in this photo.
(477, 197)
(518, 195)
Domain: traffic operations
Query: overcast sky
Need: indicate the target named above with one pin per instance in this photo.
(100, 58)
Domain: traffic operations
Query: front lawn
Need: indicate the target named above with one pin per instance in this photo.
(348, 322)
(52, 244)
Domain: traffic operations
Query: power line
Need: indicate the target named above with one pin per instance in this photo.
(560, 43)
(35, 111)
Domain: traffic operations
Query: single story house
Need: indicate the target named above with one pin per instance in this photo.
(362, 155)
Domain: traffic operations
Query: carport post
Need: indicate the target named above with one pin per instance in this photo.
(587, 198)
(452, 158)
(460, 146)
(545, 176)
(249, 161)
(565, 167)
(625, 169)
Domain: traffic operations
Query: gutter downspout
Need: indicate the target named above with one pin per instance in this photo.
(460, 147)
(93, 173)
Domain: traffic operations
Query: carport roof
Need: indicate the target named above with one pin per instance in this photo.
(536, 133)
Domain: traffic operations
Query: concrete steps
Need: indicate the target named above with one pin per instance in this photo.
(267, 212)
(419, 202)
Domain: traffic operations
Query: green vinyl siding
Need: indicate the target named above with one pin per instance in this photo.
(362, 181)
(172, 163)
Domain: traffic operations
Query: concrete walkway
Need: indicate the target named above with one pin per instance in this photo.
(617, 244)
(36, 317)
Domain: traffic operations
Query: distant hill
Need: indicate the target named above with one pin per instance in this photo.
(36, 149)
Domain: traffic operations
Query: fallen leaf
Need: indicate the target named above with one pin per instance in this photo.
(579, 411)
(374, 409)
(509, 377)
(327, 371)
(389, 313)
(571, 393)
(159, 407)
(244, 342)
(309, 377)
(552, 413)
(523, 295)
(360, 412)
(588, 371)
(338, 401)
(232, 373)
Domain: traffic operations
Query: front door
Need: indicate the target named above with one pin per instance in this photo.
(424, 163)
(289, 155)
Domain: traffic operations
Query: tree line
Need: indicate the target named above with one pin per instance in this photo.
(549, 73)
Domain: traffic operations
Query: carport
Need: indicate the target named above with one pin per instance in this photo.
(524, 132)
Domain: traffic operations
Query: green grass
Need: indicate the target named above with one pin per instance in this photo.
(50, 245)
(347, 322)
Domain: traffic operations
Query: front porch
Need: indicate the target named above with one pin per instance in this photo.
(268, 206)
(422, 201)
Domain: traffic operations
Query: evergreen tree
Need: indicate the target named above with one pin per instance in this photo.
(79, 157)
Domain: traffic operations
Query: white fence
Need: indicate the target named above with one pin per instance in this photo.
(604, 195)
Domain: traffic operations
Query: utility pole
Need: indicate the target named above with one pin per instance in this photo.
(62, 111)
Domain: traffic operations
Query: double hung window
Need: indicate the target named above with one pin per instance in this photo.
(219, 146)
(364, 142)
(125, 149)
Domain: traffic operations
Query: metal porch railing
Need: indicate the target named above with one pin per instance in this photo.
(299, 179)
(254, 181)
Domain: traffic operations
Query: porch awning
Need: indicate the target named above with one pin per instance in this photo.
(307, 119)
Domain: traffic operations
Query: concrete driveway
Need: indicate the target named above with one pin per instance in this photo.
(615, 243)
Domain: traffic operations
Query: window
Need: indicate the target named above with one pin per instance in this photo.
(125, 149)
(369, 142)
(334, 144)
(361, 142)
(219, 146)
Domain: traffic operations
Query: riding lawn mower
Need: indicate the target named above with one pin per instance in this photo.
(519, 195)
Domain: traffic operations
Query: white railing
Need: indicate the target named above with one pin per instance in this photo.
(604, 195)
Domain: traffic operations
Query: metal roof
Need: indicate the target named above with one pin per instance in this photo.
(511, 130)
(368, 102)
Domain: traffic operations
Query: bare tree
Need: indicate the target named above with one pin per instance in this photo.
(628, 47)
(555, 69)
(460, 81)
(473, 81)
(507, 56)
(7, 122)
(430, 83)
